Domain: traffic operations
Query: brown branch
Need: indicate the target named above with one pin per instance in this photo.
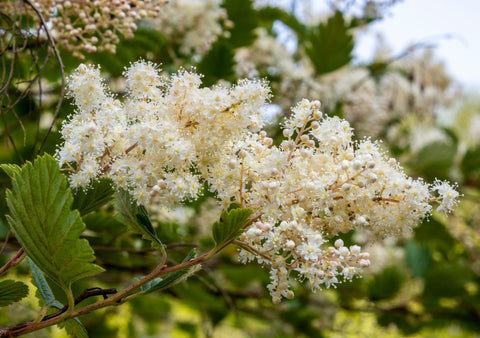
(19, 256)
(122, 296)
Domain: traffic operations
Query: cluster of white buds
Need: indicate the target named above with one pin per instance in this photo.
(91, 26)
(194, 24)
(170, 137)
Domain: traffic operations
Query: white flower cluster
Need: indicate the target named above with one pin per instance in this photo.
(170, 137)
(165, 139)
(195, 24)
(319, 182)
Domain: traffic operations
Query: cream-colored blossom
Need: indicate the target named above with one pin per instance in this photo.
(169, 138)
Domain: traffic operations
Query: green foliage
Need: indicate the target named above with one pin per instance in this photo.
(268, 15)
(434, 160)
(245, 20)
(230, 225)
(10, 169)
(135, 217)
(171, 279)
(12, 291)
(433, 234)
(145, 41)
(74, 328)
(470, 165)
(446, 280)
(329, 45)
(386, 284)
(217, 63)
(43, 222)
(418, 258)
(43, 288)
(98, 194)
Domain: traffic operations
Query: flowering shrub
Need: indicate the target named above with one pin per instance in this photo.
(181, 178)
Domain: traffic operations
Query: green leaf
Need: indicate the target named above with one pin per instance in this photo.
(10, 169)
(74, 328)
(329, 45)
(446, 280)
(418, 258)
(97, 195)
(44, 224)
(470, 165)
(104, 224)
(230, 225)
(12, 291)
(217, 63)
(434, 160)
(42, 286)
(386, 284)
(245, 20)
(268, 15)
(135, 217)
(434, 234)
(171, 279)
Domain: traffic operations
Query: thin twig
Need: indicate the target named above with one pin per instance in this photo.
(19, 256)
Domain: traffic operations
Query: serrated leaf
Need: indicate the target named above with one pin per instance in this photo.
(44, 224)
(135, 217)
(171, 279)
(230, 225)
(12, 291)
(97, 195)
(329, 45)
(10, 169)
(74, 328)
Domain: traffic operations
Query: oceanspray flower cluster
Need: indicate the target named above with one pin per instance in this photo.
(91, 26)
(194, 24)
(169, 137)
(151, 142)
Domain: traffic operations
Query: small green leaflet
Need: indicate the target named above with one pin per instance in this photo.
(12, 291)
(171, 279)
(74, 328)
(135, 217)
(230, 225)
(44, 224)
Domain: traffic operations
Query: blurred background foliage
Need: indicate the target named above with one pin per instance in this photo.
(424, 284)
